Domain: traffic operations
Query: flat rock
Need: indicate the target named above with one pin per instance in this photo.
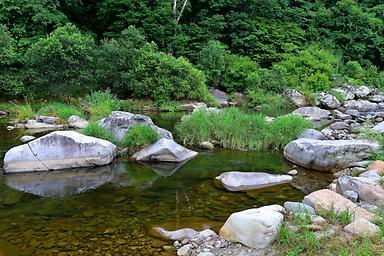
(360, 105)
(34, 125)
(324, 200)
(255, 228)
(312, 112)
(47, 119)
(367, 189)
(165, 150)
(362, 227)
(329, 155)
(119, 123)
(240, 181)
(59, 150)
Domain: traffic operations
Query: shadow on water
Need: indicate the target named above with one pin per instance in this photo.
(112, 209)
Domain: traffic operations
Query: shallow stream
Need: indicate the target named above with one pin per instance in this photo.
(111, 210)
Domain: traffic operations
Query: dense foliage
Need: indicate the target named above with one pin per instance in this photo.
(152, 49)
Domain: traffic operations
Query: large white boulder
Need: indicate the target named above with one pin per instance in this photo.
(255, 228)
(329, 155)
(239, 181)
(120, 122)
(164, 150)
(59, 150)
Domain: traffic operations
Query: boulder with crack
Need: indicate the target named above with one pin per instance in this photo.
(59, 150)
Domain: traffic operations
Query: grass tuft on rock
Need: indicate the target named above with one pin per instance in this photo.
(98, 131)
(238, 130)
(139, 137)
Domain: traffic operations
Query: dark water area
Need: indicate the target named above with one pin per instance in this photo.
(111, 210)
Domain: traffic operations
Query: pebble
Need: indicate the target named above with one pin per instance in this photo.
(185, 250)
(292, 172)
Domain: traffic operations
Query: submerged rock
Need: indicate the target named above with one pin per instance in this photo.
(164, 150)
(255, 228)
(181, 234)
(327, 155)
(119, 123)
(239, 181)
(60, 184)
(59, 150)
(324, 200)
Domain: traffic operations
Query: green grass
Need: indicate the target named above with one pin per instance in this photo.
(369, 134)
(60, 110)
(100, 104)
(98, 131)
(238, 130)
(343, 217)
(139, 137)
(23, 110)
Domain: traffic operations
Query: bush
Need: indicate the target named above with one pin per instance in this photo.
(62, 64)
(61, 110)
(237, 130)
(162, 77)
(98, 131)
(139, 137)
(24, 111)
(100, 104)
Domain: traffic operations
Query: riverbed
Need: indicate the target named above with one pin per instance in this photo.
(111, 210)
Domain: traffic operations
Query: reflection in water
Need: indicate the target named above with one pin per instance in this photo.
(164, 169)
(60, 184)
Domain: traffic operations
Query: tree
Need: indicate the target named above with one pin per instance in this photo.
(62, 64)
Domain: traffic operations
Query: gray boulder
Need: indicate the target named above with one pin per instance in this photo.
(327, 155)
(59, 150)
(312, 112)
(339, 126)
(360, 105)
(329, 101)
(240, 181)
(367, 189)
(120, 122)
(296, 207)
(361, 91)
(47, 119)
(312, 134)
(376, 98)
(27, 138)
(77, 122)
(164, 150)
(220, 96)
(297, 98)
(379, 128)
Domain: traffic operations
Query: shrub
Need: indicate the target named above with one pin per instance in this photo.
(61, 110)
(237, 130)
(100, 104)
(163, 77)
(139, 137)
(62, 64)
(258, 96)
(97, 131)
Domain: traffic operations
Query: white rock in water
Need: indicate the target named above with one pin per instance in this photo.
(329, 155)
(239, 181)
(27, 138)
(119, 123)
(59, 150)
(164, 150)
(255, 228)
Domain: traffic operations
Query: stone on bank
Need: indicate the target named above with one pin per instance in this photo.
(59, 150)
(255, 228)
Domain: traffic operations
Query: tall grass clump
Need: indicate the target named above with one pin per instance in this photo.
(238, 130)
(98, 131)
(100, 104)
(23, 110)
(61, 110)
(139, 137)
